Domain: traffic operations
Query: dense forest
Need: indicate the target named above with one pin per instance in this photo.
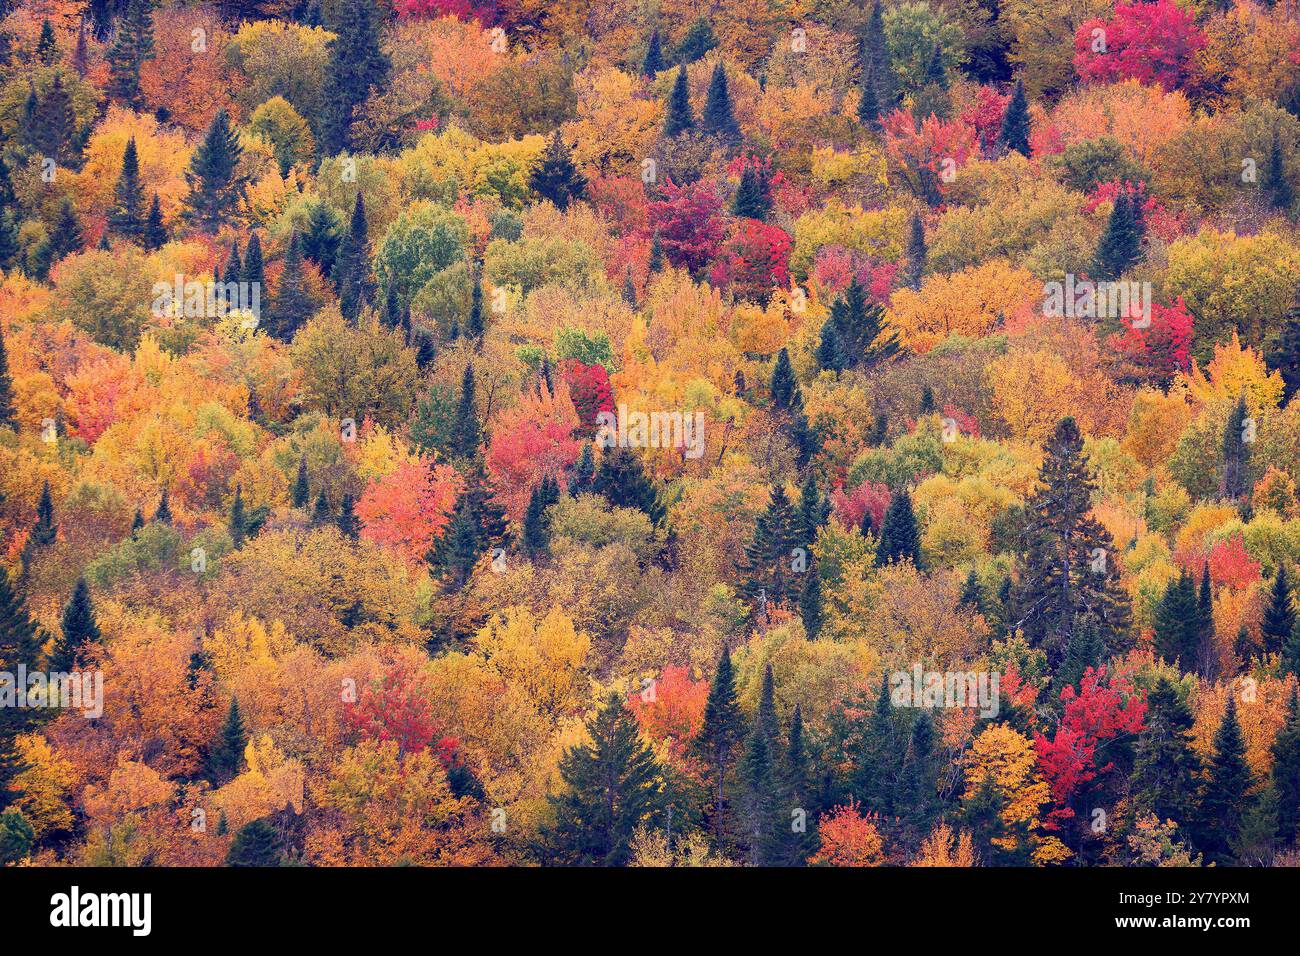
(649, 433)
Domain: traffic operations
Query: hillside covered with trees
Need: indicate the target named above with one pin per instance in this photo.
(629, 433)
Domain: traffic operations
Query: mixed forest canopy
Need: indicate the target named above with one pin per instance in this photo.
(730, 433)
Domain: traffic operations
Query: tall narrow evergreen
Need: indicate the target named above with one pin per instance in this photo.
(213, 177)
(475, 325)
(1226, 800)
(621, 480)
(614, 786)
(783, 386)
(321, 238)
(1206, 654)
(47, 49)
(8, 416)
(876, 61)
(699, 40)
(1120, 247)
(1233, 480)
(357, 66)
(127, 218)
(227, 754)
(255, 844)
(761, 779)
(1014, 133)
(466, 433)
(768, 570)
(916, 253)
(155, 230)
(301, 493)
(348, 523)
(858, 330)
(254, 270)
(1286, 773)
(719, 736)
(718, 118)
(1278, 188)
(292, 306)
(810, 604)
(653, 63)
(1285, 357)
(1177, 634)
(45, 530)
(680, 118)
(20, 645)
(132, 45)
(1166, 766)
(352, 264)
(78, 631)
(164, 512)
(753, 199)
(900, 538)
(1279, 614)
(238, 522)
(556, 177)
(53, 128)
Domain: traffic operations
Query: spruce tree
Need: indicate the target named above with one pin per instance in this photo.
(783, 387)
(256, 844)
(227, 755)
(1177, 632)
(536, 526)
(65, 237)
(1206, 646)
(164, 512)
(1285, 357)
(680, 118)
(877, 759)
(79, 630)
(213, 176)
(81, 51)
(127, 218)
(752, 199)
(1085, 650)
(8, 416)
(621, 480)
(762, 804)
(131, 47)
(8, 213)
(1166, 766)
(584, 472)
(810, 604)
(868, 102)
(301, 493)
(466, 434)
(1286, 773)
(1279, 614)
(718, 118)
(876, 61)
(859, 330)
(900, 538)
(556, 177)
(47, 50)
(1226, 799)
(698, 41)
(53, 125)
(1233, 480)
(1280, 194)
(292, 306)
(238, 522)
(155, 230)
(1120, 246)
(20, 645)
(614, 786)
(347, 522)
(812, 511)
(352, 264)
(357, 66)
(1068, 576)
(253, 272)
(234, 265)
(653, 63)
(1014, 133)
(717, 740)
(797, 781)
(45, 530)
(767, 570)
(916, 253)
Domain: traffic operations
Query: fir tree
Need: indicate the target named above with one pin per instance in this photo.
(1286, 773)
(155, 231)
(301, 493)
(760, 777)
(718, 738)
(213, 176)
(320, 512)
(876, 61)
(256, 844)
(81, 51)
(653, 63)
(537, 525)
(254, 269)
(1206, 646)
(697, 42)
(137, 522)
(164, 512)
(1177, 637)
(1068, 578)
(798, 788)
(234, 265)
(813, 511)
(131, 47)
(877, 759)
(1014, 133)
(614, 786)
(320, 241)
(718, 118)
(20, 645)
(102, 13)
(916, 252)
(830, 350)
(783, 387)
(556, 177)
(348, 523)
(356, 67)
(900, 539)
(680, 118)
(1166, 766)
(810, 604)
(584, 472)
(292, 306)
(1226, 799)
(1279, 614)
(1085, 650)
(47, 50)
(932, 98)
(65, 237)
(238, 523)
(859, 328)
(79, 630)
(8, 416)
(868, 101)
(1285, 358)
(227, 754)
(1236, 453)
(917, 793)
(45, 530)
(621, 480)
(1120, 246)
(768, 565)
(752, 199)
(1280, 194)
(352, 264)
(8, 228)
(466, 433)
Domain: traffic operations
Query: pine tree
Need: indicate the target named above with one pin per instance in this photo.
(102, 13)
(348, 523)
(1279, 615)
(292, 306)
(900, 539)
(584, 472)
(47, 50)
(860, 333)
(932, 99)
(868, 101)
(877, 760)
(798, 788)
(79, 630)
(81, 51)
(1166, 766)
(916, 253)
(876, 61)
(1206, 645)
(65, 237)
(537, 526)
(718, 738)
(301, 487)
(1226, 799)
(768, 566)
(621, 480)
(8, 229)
(1236, 453)
(357, 66)
(137, 522)
(460, 546)
(256, 844)
(614, 786)
(8, 416)
(1120, 246)
(1285, 358)
(813, 511)
(1014, 133)
(680, 118)
(752, 199)
(1286, 773)
(653, 64)
(227, 755)
(45, 530)
(830, 350)
(1085, 650)
(760, 775)
(1177, 637)
(155, 231)
(1280, 194)
(917, 793)
(320, 241)
(466, 433)
(1067, 578)
(131, 47)
(253, 272)
(213, 176)
(320, 512)
(810, 604)
(697, 42)
(127, 218)
(164, 512)
(238, 523)
(556, 177)
(20, 645)
(352, 264)
(234, 265)
(718, 118)
(784, 386)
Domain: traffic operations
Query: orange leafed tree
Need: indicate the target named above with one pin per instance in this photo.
(409, 508)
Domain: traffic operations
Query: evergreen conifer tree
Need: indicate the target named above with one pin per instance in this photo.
(680, 118)
(79, 630)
